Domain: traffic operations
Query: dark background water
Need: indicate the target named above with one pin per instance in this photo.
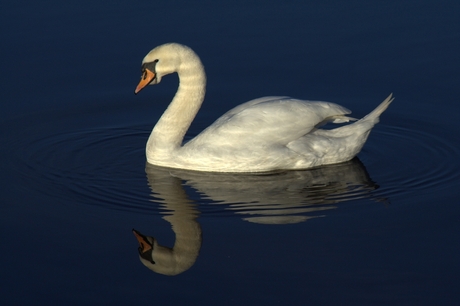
(73, 168)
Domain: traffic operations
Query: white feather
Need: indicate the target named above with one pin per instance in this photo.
(264, 134)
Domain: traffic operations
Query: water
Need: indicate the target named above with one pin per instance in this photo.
(382, 229)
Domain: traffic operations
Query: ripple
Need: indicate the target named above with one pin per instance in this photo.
(98, 166)
(105, 166)
(411, 160)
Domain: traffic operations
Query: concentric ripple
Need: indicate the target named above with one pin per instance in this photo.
(99, 166)
(413, 159)
(105, 166)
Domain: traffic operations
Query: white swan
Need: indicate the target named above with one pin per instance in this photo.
(264, 134)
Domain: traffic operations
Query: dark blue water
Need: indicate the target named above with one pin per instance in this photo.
(380, 230)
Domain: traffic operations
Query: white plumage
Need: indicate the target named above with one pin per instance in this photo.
(264, 134)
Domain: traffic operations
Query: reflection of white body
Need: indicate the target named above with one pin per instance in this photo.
(276, 198)
(260, 135)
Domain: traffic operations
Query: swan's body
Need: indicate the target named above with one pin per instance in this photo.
(265, 134)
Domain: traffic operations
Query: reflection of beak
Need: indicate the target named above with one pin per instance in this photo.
(144, 244)
(147, 77)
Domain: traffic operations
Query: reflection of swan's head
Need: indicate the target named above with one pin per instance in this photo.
(163, 60)
(146, 247)
(156, 257)
(164, 260)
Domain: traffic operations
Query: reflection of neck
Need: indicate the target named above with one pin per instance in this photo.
(182, 216)
(188, 241)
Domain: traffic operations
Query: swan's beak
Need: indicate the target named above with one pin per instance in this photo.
(147, 77)
(144, 244)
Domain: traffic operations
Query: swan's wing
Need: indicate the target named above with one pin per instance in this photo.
(269, 121)
(247, 105)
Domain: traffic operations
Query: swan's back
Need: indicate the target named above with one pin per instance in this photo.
(267, 122)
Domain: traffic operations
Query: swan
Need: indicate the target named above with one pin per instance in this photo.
(265, 134)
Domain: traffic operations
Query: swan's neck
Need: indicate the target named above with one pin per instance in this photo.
(169, 132)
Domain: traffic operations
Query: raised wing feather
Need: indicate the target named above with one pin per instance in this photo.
(268, 121)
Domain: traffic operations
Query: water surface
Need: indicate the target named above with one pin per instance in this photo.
(381, 229)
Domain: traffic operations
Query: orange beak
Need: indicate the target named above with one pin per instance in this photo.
(143, 243)
(146, 78)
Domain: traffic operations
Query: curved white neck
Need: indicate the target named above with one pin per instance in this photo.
(169, 132)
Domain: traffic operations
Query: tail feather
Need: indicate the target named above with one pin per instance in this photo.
(374, 115)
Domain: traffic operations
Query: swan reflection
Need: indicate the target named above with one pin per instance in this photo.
(270, 198)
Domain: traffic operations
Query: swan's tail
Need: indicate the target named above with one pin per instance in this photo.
(375, 114)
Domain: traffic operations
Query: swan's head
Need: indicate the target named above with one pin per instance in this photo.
(163, 60)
